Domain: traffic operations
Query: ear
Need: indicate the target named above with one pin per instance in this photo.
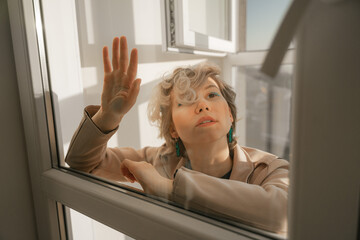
(231, 116)
(173, 132)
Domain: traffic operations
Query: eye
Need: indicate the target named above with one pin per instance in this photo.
(213, 94)
(179, 104)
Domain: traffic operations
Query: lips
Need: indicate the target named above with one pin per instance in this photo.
(205, 120)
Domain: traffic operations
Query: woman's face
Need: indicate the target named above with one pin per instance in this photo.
(208, 119)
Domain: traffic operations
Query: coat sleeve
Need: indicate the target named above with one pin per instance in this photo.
(263, 206)
(88, 151)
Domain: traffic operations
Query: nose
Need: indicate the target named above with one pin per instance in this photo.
(202, 106)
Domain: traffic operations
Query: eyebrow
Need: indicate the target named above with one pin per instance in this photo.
(211, 86)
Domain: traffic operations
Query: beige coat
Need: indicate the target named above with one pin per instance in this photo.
(256, 192)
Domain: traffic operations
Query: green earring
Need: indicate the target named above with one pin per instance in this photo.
(177, 148)
(230, 134)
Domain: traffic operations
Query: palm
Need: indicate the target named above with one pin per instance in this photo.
(120, 88)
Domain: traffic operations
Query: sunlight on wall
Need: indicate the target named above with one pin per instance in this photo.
(89, 21)
(89, 76)
(148, 133)
(62, 53)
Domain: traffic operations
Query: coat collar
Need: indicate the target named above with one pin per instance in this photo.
(242, 165)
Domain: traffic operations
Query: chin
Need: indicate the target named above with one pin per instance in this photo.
(209, 138)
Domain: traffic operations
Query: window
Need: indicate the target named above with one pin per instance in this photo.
(68, 76)
(205, 26)
(267, 112)
(230, 26)
(319, 96)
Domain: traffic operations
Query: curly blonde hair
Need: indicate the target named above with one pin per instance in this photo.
(185, 80)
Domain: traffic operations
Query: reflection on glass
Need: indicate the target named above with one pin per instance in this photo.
(209, 17)
(268, 110)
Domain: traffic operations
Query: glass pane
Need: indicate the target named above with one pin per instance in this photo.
(266, 115)
(262, 20)
(82, 227)
(196, 164)
(209, 17)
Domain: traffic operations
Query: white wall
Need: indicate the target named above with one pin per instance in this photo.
(17, 219)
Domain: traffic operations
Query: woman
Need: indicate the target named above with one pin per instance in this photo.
(200, 165)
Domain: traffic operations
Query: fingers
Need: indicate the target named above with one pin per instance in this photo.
(126, 172)
(106, 60)
(132, 70)
(135, 89)
(124, 58)
(115, 53)
(120, 58)
(124, 73)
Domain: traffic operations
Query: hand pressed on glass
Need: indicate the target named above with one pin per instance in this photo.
(120, 88)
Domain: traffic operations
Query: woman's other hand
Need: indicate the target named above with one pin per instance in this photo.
(150, 180)
(120, 88)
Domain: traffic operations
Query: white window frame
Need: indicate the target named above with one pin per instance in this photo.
(132, 214)
(180, 38)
